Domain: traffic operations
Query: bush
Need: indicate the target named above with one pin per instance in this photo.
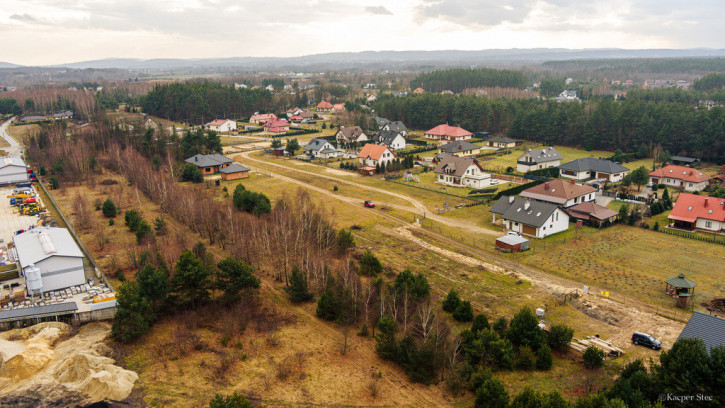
(192, 173)
(230, 401)
(544, 359)
(297, 289)
(133, 219)
(111, 221)
(345, 240)
(464, 312)
(559, 337)
(500, 325)
(492, 394)
(370, 265)
(334, 188)
(451, 302)
(143, 231)
(593, 357)
(133, 313)
(525, 359)
(478, 378)
(109, 209)
(54, 183)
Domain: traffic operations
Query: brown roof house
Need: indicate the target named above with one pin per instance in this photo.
(350, 134)
(593, 212)
(560, 192)
(461, 172)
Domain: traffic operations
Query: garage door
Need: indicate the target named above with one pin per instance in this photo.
(527, 229)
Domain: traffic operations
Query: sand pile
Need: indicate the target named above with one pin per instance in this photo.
(47, 357)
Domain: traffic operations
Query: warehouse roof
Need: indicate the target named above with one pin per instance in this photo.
(38, 311)
(11, 161)
(41, 243)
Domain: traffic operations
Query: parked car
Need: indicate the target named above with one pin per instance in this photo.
(369, 204)
(494, 182)
(514, 233)
(646, 340)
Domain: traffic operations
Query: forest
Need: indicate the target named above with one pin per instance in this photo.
(642, 65)
(201, 102)
(602, 124)
(458, 79)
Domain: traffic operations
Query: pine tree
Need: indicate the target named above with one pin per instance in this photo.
(297, 289)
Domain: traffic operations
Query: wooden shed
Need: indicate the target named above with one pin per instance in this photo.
(681, 288)
(234, 172)
(512, 243)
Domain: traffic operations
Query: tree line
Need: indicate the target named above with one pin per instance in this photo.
(458, 79)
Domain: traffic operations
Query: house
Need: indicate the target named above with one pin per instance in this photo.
(324, 106)
(698, 212)
(307, 116)
(294, 111)
(460, 149)
(295, 119)
(373, 155)
(718, 180)
(338, 107)
(709, 329)
(66, 114)
(240, 86)
(350, 134)
(209, 163)
(593, 212)
(234, 172)
(589, 167)
(418, 90)
(320, 149)
(683, 177)
(280, 151)
(560, 192)
(222, 125)
(380, 122)
(396, 126)
(32, 118)
(538, 159)
(259, 118)
(393, 139)
(512, 243)
(502, 142)
(13, 170)
(530, 217)
(448, 133)
(568, 96)
(276, 126)
(49, 259)
(461, 172)
(684, 161)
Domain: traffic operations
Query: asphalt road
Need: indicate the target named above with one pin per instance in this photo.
(15, 149)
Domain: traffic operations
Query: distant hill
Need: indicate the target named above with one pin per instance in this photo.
(8, 65)
(394, 58)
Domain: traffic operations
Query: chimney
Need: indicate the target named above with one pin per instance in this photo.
(460, 147)
(511, 199)
(527, 204)
(546, 185)
(706, 200)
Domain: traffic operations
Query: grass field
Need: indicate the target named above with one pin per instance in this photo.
(22, 132)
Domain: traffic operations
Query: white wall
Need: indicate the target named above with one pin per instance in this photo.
(52, 280)
(559, 221)
(688, 186)
(580, 199)
(523, 168)
(582, 175)
(714, 225)
(13, 174)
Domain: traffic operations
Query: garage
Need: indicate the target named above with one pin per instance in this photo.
(528, 229)
(13, 170)
(512, 243)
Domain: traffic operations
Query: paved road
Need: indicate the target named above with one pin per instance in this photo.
(15, 148)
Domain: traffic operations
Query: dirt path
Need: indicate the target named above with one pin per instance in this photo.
(417, 206)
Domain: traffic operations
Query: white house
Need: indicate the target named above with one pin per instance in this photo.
(396, 126)
(373, 155)
(12, 170)
(56, 256)
(222, 125)
(560, 192)
(591, 168)
(537, 159)
(391, 138)
(683, 177)
(530, 217)
(461, 172)
(698, 212)
(320, 149)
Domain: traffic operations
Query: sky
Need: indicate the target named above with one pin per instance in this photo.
(46, 32)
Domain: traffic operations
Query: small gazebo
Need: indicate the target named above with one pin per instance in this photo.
(681, 288)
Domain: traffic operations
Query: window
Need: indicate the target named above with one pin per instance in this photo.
(708, 224)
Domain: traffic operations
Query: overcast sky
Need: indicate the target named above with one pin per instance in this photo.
(36, 32)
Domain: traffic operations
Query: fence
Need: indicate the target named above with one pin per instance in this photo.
(478, 200)
(685, 234)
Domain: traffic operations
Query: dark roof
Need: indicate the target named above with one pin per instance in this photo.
(36, 311)
(396, 126)
(208, 160)
(315, 144)
(454, 165)
(684, 159)
(535, 215)
(386, 137)
(380, 121)
(709, 329)
(456, 147)
(501, 139)
(680, 281)
(234, 168)
(592, 164)
(351, 131)
(543, 155)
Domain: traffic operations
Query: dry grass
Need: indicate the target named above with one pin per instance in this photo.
(21, 133)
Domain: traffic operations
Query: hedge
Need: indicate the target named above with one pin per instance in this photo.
(552, 172)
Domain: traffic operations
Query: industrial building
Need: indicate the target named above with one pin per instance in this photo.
(13, 170)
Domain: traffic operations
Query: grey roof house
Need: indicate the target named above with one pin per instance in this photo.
(461, 148)
(534, 159)
(319, 148)
(396, 126)
(209, 163)
(590, 167)
(391, 138)
(530, 217)
(709, 329)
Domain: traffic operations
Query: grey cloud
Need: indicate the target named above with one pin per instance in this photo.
(482, 13)
(380, 10)
(25, 18)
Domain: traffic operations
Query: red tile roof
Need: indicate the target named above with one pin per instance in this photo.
(263, 116)
(324, 105)
(681, 173)
(339, 106)
(559, 190)
(690, 207)
(450, 131)
(372, 151)
(217, 122)
(276, 123)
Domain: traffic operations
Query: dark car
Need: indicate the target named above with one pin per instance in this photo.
(369, 204)
(646, 340)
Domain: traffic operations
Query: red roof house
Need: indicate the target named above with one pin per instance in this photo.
(373, 155)
(324, 106)
(680, 176)
(449, 133)
(699, 212)
(261, 118)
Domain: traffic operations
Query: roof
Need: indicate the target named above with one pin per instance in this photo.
(339, 106)
(593, 210)
(681, 173)
(263, 116)
(512, 239)
(307, 114)
(11, 161)
(41, 243)
(276, 122)
(690, 207)
(386, 137)
(543, 155)
(34, 311)
(324, 105)
(454, 165)
(709, 329)
(450, 131)
(208, 160)
(501, 139)
(396, 126)
(315, 144)
(684, 159)
(372, 151)
(680, 281)
(351, 131)
(457, 147)
(234, 168)
(418, 90)
(328, 150)
(380, 121)
(557, 191)
(535, 214)
(592, 164)
(218, 122)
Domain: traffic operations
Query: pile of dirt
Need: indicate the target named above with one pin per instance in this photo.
(45, 363)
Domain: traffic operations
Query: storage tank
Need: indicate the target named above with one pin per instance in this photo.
(33, 280)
